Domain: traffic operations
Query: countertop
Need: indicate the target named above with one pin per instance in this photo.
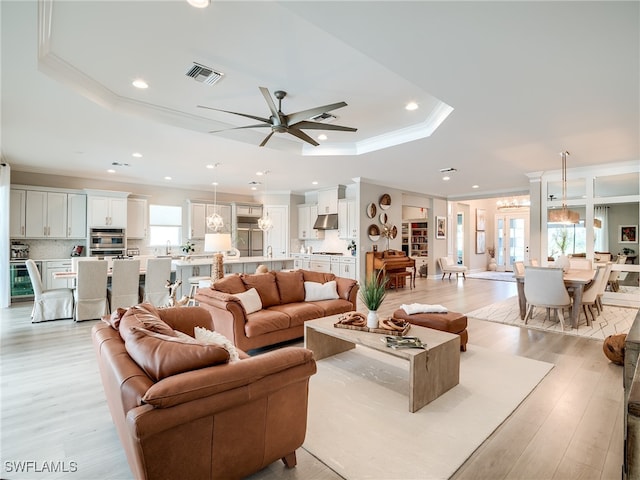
(228, 260)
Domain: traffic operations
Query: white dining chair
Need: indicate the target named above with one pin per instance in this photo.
(544, 287)
(53, 304)
(154, 290)
(613, 281)
(603, 286)
(580, 263)
(125, 282)
(534, 262)
(590, 295)
(518, 268)
(91, 290)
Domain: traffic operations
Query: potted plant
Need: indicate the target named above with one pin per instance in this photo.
(372, 295)
(187, 247)
(352, 247)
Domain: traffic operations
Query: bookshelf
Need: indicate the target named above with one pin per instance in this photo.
(415, 238)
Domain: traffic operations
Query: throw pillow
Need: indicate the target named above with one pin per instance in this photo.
(290, 286)
(320, 291)
(144, 316)
(250, 300)
(319, 277)
(214, 338)
(161, 356)
(231, 284)
(113, 320)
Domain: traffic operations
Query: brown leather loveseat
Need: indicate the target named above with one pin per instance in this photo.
(286, 301)
(183, 410)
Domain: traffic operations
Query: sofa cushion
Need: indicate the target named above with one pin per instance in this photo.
(250, 300)
(161, 355)
(113, 320)
(231, 284)
(290, 286)
(319, 277)
(314, 291)
(144, 316)
(265, 284)
(333, 307)
(299, 312)
(265, 321)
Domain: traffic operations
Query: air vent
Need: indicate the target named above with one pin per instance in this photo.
(203, 74)
(448, 170)
(324, 117)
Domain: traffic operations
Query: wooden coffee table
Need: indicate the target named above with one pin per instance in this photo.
(432, 371)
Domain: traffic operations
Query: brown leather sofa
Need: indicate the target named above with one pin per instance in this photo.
(179, 418)
(284, 309)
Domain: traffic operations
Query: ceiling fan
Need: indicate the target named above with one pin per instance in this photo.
(292, 123)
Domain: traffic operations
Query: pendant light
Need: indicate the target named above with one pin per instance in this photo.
(563, 215)
(215, 223)
(265, 223)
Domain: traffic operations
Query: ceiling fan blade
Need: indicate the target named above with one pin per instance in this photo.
(302, 136)
(253, 117)
(312, 112)
(266, 139)
(259, 125)
(267, 97)
(322, 126)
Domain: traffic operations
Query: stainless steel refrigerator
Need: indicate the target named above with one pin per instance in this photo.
(249, 239)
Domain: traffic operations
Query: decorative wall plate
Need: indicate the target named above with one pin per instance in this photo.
(394, 232)
(371, 210)
(385, 201)
(374, 233)
(383, 218)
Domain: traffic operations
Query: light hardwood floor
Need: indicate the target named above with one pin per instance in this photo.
(570, 427)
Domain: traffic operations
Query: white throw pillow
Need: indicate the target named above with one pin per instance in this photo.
(214, 338)
(314, 291)
(250, 300)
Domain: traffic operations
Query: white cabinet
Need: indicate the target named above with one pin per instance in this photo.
(420, 262)
(198, 213)
(347, 223)
(344, 266)
(307, 215)
(17, 214)
(247, 210)
(319, 264)
(328, 199)
(278, 237)
(105, 211)
(301, 260)
(46, 214)
(76, 215)
(185, 272)
(49, 267)
(136, 218)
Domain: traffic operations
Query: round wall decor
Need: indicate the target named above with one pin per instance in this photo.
(374, 233)
(371, 210)
(383, 218)
(385, 201)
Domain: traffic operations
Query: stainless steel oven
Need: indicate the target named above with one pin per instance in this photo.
(20, 283)
(107, 242)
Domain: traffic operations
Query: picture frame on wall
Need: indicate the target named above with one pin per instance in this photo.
(481, 219)
(480, 242)
(441, 227)
(627, 234)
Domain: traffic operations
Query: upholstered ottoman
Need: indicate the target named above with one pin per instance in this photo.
(452, 322)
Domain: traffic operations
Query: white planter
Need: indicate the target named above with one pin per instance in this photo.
(372, 319)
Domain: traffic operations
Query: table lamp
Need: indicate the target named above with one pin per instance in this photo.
(217, 243)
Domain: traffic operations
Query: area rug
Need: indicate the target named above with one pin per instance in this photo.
(612, 320)
(359, 422)
(499, 276)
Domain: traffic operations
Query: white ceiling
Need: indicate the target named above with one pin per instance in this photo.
(525, 81)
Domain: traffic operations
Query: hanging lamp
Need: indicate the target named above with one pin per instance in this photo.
(563, 215)
(265, 223)
(215, 223)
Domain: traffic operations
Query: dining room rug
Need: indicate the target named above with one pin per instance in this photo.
(611, 321)
(498, 276)
(359, 422)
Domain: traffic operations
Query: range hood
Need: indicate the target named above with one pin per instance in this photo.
(326, 222)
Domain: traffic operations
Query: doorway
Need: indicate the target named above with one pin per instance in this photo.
(512, 239)
(460, 238)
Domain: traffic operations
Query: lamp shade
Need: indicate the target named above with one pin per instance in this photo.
(217, 242)
(564, 216)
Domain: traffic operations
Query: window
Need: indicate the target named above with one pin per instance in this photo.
(165, 225)
(566, 239)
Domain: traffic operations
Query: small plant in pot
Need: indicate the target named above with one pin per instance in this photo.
(372, 294)
(352, 247)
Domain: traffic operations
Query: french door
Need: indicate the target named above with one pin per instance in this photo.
(512, 239)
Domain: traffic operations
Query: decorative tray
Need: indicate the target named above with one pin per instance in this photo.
(404, 342)
(383, 331)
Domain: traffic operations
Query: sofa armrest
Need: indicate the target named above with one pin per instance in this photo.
(227, 313)
(348, 290)
(186, 319)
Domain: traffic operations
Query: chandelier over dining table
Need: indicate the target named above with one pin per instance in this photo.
(563, 215)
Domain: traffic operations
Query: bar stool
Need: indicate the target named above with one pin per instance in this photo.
(194, 282)
(398, 279)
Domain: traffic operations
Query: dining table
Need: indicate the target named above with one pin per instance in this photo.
(575, 280)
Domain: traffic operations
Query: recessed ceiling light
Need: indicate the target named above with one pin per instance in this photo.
(411, 106)
(314, 183)
(137, 155)
(322, 136)
(210, 166)
(475, 186)
(259, 173)
(139, 83)
(111, 170)
(445, 178)
(199, 3)
(215, 184)
(167, 178)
